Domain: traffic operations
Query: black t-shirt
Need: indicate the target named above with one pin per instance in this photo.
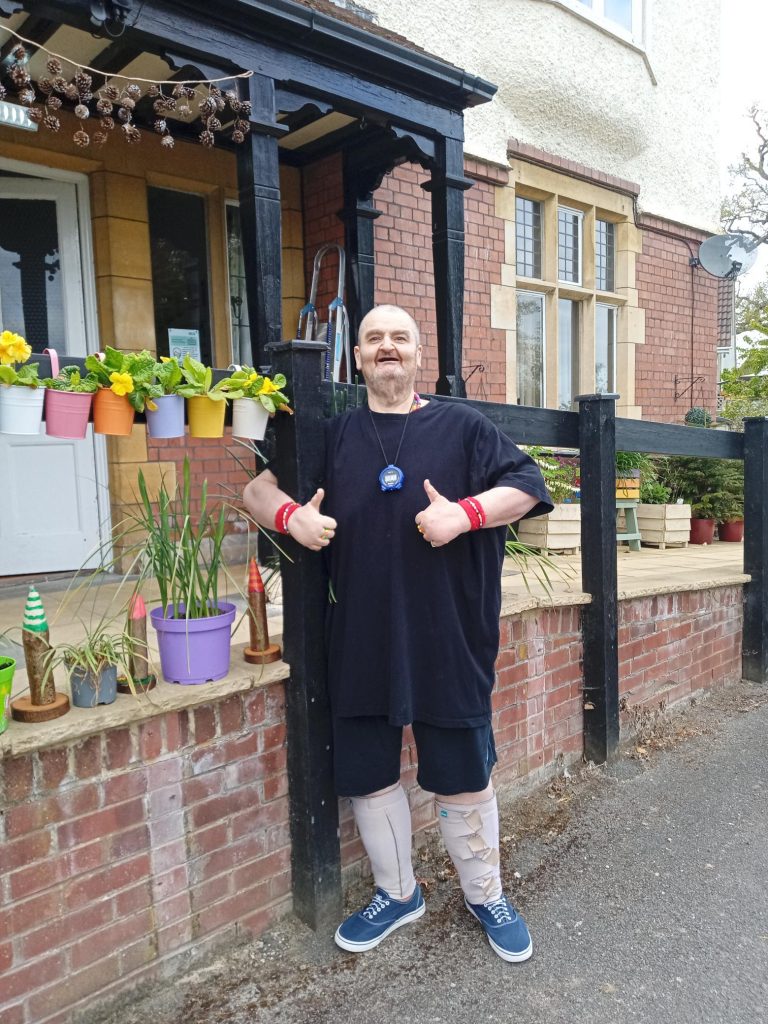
(413, 633)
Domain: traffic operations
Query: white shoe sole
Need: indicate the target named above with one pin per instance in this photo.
(361, 947)
(511, 958)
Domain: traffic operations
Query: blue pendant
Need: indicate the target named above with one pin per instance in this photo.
(391, 478)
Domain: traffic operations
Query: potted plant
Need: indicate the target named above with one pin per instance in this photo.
(704, 514)
(21, 393)
(559, 530)
(629, 466)
(125, 382)
(660, 521)
(206, 401)
(92, 664)
(7, 669)
(730, 519)
(184, 554)
(68, 399)
(254, 399)
(165, 406)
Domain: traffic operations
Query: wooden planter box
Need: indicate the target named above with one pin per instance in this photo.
(662, 525)
(628, 486)
(560, 530)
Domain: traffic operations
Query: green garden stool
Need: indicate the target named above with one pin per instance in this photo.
(631, 529)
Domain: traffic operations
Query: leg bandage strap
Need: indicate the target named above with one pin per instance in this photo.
(471, 837)
(384, 824)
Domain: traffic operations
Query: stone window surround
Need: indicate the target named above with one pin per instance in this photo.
(539, 175)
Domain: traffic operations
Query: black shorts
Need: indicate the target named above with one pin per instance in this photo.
(366, 756)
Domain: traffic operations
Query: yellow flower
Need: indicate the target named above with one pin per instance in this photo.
(253, 377)
(13, 349)
(121, 383)
(165, 359)
(267, 388)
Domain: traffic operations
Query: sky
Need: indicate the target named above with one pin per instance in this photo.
(744, 81)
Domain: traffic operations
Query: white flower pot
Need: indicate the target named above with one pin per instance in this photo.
(21, 409)
(249, 418)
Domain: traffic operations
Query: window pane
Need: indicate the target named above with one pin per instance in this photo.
(238, 300)
(569, 245)
(528, 237)
(605, 348)
(567, 353)
(605, 255)
(620, 11)
(530, 349)
(178, 240)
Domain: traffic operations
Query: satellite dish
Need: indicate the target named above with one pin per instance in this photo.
(728, 256)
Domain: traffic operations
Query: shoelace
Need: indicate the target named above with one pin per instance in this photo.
(377, 904)
(500, 910)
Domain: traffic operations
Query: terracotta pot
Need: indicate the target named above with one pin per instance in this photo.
(702, 531)
(112, 414)
(733, 531)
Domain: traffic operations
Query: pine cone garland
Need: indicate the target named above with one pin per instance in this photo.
(207, 138)
(36, 115)
(54, 102)
(59, 83)
(83, 82)
(124, 115)
(131, 133)
(238, 137)
(54, 65)
(213, 124)
(19, 76)
(110, 92)
(245, 108)
(153, 91)
(18, 52)
(207, 107)
(161, 125)
(2, 92)
(45, 85)
(71, 93)
(81, 139)
(134, 91)
(82, 112)
(167, 141)
(242, 126)
(52, 123)
(105, 106)
(107, 124)
(27, 97)
(183, 110)
(99, 138)
(128, 103)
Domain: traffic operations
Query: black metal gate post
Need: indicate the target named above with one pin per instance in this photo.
(597, 444)
(754, 650)
(315, 857)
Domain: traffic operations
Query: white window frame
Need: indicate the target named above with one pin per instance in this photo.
(615, 308)
(596, 14)
(537, 295)
(579, 214)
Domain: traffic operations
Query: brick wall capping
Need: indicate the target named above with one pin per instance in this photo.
(80, 723)
(726, 580)
(652, 220)
(485, 170)
(532, 154)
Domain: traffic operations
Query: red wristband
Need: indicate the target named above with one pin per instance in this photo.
(475, 513)
(283, 514)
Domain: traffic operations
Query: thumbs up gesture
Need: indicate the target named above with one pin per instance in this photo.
(309, 526)
(442, 520)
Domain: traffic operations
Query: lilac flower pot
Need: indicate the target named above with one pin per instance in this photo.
(194, 650)
(168, 419)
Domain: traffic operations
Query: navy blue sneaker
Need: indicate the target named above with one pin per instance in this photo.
(506, 930)
(368, 927)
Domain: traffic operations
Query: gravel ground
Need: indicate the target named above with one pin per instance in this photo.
(643, 884)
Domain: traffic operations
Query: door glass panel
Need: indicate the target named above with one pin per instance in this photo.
(31, 293)
(238, 300)
(180, 278)
(567, 353)
(530, 349)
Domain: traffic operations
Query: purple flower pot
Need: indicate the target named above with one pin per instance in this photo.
(168, 419)
(194, 650)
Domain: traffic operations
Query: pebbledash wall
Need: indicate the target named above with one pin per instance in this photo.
(131, 851)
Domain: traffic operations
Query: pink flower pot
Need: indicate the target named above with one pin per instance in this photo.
(66, 414)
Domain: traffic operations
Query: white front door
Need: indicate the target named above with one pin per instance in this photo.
(50, 509)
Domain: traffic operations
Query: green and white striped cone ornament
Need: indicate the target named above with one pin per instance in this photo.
(34, 613)
(35, 636)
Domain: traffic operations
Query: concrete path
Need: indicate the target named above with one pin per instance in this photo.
(644, 886)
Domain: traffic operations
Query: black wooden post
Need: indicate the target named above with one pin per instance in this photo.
(597, 446)
(447, 186)
(358, 216)
(258, 176)
(754, 651)
(315, 856)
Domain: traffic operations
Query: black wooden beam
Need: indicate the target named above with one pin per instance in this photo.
(316, 866)
(358, 216)
(38, 29)
(116, 56)
(670, 439)
(597, 467)
(754, 657)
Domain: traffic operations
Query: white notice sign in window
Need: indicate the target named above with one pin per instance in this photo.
(182, 342)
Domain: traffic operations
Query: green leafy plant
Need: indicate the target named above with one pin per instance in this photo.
(100, 648)
(25, 377)
(698, 417)
(654, 493)
(167, 376)
(628, 462)
(559, 475)
(183, 552)
(131, 374)
(248, 383)
(198, 381)
(71, 380)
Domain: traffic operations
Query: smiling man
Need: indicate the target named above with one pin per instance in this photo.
(418, 495)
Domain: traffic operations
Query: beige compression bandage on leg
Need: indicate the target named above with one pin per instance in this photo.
(384, 824)
(471, 836)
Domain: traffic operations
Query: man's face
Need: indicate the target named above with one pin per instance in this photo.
(388, 353)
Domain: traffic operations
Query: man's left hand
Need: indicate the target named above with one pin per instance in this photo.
(442, 520)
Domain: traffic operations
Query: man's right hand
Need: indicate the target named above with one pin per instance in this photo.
(309, 526)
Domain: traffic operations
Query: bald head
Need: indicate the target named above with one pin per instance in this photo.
(386, 310)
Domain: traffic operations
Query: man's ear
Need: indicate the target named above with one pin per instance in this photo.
(356, 351)
(418, 356)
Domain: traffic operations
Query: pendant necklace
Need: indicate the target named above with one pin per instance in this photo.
(391, 478)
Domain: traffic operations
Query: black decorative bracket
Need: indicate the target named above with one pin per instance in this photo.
(693, 381)
(110, 14)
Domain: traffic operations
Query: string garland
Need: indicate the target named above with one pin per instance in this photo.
(110, 105)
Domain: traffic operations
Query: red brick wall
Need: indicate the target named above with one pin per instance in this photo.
(404, 269)
(131, 847)
(664, 288)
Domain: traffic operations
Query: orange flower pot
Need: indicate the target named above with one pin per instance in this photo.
(205, 416)
(112, 414)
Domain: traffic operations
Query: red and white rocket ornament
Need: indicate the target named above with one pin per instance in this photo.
(260, 651)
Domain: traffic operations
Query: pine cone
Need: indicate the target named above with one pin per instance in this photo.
(131, 133)
(19, 76)
(52, 123)
(161, 125)
(124, 115)
(207, 139)
(54, 65)
(207, 107)
(153, 90)
(235, 106)
(81, 139)
(128, 103)
(238, 137)
(189, 92)
(71, 93)
(59, 84)
(18, 52)
(99, 138)
(83, 81)
(167, 141)
(231, 95)
(107, 124)
(245, 108)
(45, 85)
(54, 102)
(27, 97)
(105, 106)
(111, 92)
(2, 92)
(134, 91)
(82, 112)
(242, 126)
(177, 91)
(36, 115)
(220, 103)
(213, 124)
(183, 110)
